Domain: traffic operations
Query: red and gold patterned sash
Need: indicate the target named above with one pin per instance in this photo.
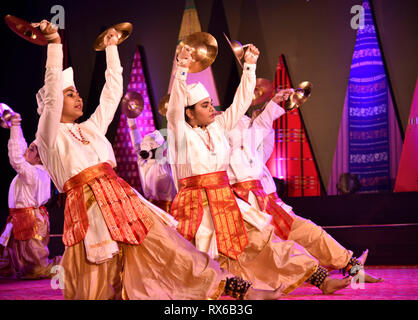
(24, 222)
(282, 221)
(125, 216)
(213, 188)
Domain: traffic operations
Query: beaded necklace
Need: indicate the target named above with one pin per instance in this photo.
(210, 146)
(81, 139)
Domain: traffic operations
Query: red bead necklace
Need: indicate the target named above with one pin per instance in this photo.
(82, 139)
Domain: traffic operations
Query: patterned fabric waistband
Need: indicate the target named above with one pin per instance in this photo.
(282, 221)
(188, 209)
(24, 222)
(126, 217)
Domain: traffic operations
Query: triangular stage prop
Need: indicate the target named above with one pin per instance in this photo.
(190, 24)
(226, 74)
(292, 159)
(369, 142)
(126, 159)
(407, 179)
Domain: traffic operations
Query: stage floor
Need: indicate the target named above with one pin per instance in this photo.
(400, 283)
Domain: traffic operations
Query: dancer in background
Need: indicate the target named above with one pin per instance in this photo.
(227, 228)
(116, 244)
(154, 170)
(24, 242)
(252, 142)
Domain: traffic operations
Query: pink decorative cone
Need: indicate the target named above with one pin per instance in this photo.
(407, 179)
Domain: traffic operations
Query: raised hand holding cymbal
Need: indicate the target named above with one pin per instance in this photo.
(184, 57)
(282, 95)
(49, 30)
(111, 38)
(15, 119)
(251, 54)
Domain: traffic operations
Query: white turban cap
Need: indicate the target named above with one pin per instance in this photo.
(67, 81)
(195, 93)
(152, 140)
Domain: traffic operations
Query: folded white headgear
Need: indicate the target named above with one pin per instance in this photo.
(152, 140)
(195, 93)
(67, 81)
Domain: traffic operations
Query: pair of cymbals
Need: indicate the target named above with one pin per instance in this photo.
(264, 90)
(132, 104)
(204, 50)
(299, 96)
(34, 35)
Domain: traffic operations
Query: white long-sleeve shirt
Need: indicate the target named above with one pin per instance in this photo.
(156, 178)
(62, 154)
(252, 147)
(31, 187)
(248, 142)
(190, 156)
(187, 146)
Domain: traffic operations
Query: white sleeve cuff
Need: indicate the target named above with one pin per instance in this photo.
(249, 68)
(181, 73)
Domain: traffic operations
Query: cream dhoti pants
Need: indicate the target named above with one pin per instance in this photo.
(315, 240)
(164, 266)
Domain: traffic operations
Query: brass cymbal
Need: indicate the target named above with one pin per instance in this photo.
(123, 29)
(205, 50)
(237, 49)
(263, 91)
(132, 104)
(299, 96)
(25, 30)
(6, 114)
(163, 105)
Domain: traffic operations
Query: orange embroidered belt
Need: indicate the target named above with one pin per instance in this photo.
(162, 204)
(213, 188)
(282, 221)
(24, 222)
(125, 215)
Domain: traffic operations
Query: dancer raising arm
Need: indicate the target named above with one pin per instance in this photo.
(26, 236)
(210, 216)
(116, 243)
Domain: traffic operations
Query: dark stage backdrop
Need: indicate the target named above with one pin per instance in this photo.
(315, 36)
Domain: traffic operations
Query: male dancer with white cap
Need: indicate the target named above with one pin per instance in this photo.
(252, 141)
(154, 170)
(24, 243)
(209, 214)
(116, 244)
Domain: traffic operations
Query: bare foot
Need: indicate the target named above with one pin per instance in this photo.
(258, 294)
(330, 285)
(367, 278)
(362, 259)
